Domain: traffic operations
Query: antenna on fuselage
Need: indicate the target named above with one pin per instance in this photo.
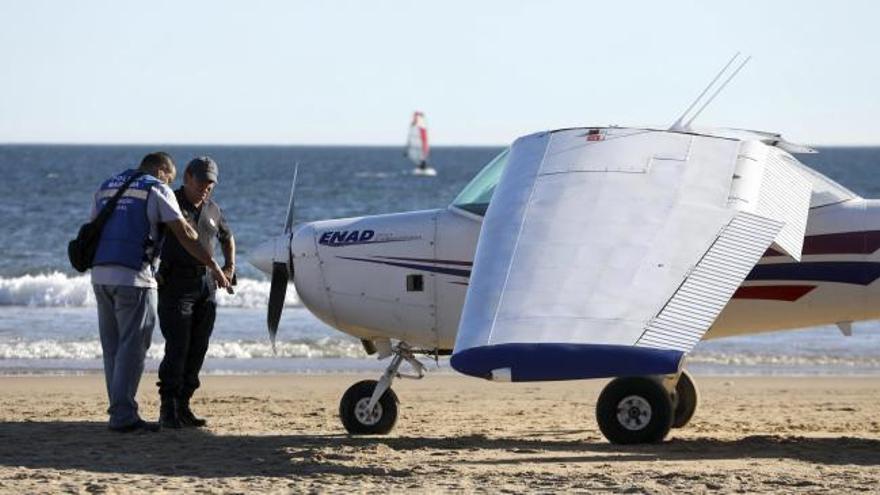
(680, 124)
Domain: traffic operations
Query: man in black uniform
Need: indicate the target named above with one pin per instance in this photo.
(187, 304)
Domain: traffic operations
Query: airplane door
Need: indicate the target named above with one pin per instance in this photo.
(457, 236)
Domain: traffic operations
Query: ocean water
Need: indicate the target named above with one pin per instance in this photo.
(47, 314)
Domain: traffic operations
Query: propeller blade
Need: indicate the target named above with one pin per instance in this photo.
(282, 271)
(277, 292)
(288, 224)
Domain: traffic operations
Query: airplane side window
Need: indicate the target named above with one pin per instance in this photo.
(415, 283)
(476, 195)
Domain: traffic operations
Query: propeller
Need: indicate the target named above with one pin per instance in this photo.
(282, 268)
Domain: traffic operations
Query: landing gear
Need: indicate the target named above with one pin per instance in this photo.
(686, 398)
(369, 407)
(642, 409)
(634, 410)
(359, 419)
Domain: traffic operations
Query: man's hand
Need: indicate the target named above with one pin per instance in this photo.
(219, 276)
(229, 272)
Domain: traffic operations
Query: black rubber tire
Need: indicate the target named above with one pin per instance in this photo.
(364, 390)
(687, 398)
(649, 390)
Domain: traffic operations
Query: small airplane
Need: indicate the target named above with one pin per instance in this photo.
(417, 148)
(591, 252)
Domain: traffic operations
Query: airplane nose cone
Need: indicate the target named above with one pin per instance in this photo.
(279, 248)
(264, 254)
(304, 241)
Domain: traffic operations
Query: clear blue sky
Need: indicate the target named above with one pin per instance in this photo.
(485, 72)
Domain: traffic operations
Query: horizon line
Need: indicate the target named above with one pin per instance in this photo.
(313, 145)
(330, 145)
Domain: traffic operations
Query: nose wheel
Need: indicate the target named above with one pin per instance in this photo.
(359, 418)
(369, 407)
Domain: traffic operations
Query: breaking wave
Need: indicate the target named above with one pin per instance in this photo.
(343, 347)
(57, 289)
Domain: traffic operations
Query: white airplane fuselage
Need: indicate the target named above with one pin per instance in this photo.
(405, 276)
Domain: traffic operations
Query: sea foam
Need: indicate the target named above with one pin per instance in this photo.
(57, 289)
(240, 349)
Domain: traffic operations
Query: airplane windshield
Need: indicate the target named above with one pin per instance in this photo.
(476, 195)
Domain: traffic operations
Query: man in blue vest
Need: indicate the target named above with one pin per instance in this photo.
(187, 304)
(123, 277)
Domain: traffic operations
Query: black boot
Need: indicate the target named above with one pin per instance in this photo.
(168, 416)
(187, 418)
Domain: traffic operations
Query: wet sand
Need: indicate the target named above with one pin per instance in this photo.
(281, 433)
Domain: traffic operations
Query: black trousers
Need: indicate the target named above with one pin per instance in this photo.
(187, 309)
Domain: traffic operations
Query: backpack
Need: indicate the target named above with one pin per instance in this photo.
(81, 251)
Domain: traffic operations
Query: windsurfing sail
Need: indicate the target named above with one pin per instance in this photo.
(417, 142)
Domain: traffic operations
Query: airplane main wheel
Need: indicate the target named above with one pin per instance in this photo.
(355, 416)
(687, 397)
(634, 410)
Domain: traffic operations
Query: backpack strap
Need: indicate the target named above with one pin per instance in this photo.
(108, 208)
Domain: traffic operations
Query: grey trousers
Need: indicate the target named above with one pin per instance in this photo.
(126, 318)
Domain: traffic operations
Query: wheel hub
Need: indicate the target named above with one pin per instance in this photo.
(366, 417)
(633, 412)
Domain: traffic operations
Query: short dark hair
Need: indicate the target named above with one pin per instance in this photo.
(158, 160)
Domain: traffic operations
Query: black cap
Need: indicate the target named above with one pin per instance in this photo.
(203, 168)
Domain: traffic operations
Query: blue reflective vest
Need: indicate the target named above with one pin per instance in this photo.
(125, 239)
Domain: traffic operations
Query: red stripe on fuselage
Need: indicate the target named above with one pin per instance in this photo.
(865, 242)
(788, 293)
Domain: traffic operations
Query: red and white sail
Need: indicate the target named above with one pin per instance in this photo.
(417, 148)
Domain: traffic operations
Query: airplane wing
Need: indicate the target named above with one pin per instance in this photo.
(610, 252)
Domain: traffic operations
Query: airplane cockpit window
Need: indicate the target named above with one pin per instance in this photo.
(476, 195)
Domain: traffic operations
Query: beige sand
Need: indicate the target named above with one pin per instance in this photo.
(282, 434)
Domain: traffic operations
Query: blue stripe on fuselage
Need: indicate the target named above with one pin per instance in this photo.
(847, 272)
(427, 268)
